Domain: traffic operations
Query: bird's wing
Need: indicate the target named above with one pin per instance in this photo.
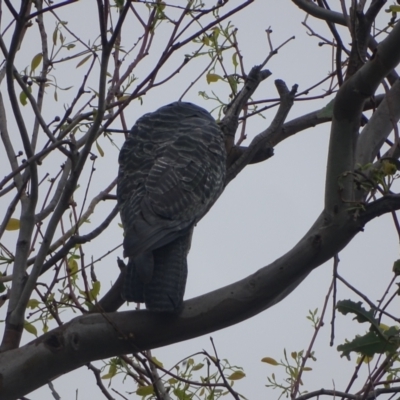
(172, 169)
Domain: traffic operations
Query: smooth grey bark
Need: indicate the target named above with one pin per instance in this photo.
(98, 336)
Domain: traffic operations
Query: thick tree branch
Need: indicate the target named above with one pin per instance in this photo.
(348, 106)
(98, 336)
(15, 315)
(384, 205)
(374, 134)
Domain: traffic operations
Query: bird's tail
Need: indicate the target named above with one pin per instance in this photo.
(133, 289)
(164, 293)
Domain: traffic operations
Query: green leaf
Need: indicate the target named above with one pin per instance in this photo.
(145, 390)
(23, 98)
(73, 266)
(206, 40)
(80, 63)
(36, 61)
(198, 366)
(107, 376)
(30, 328)
(388, 168)
(181, 394)
(33, 303)
(216, 32)
(94, 292)
(157, 362)
(371, 344)
(269, 360)
(212, 77)
(236, 375)
(362, 315)
(13, 224)
(99, 149)
(55, 36)
(233, 83)
(119, 3)
(234, 60)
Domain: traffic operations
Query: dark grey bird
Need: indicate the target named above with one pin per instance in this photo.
(171, 171)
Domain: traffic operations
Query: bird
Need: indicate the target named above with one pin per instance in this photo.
(172, 169)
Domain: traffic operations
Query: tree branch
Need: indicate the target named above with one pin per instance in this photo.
(384, 205)
(229, 122)
(265, 139)
(381, 123)
(348, 106)
(96, 336)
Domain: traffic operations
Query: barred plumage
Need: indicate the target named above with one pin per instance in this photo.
(172, 170)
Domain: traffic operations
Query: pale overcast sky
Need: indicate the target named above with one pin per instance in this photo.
(259, 217)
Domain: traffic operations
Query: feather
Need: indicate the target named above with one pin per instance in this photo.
(172, 170)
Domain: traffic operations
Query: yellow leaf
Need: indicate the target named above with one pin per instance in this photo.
(269, 360)
(366, 359)
(12, 225)
(212, 77)
(393, 9)
(73, 265)
(236, 375)
(36, 61)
